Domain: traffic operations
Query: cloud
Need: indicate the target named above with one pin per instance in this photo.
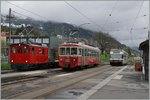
(124, 12)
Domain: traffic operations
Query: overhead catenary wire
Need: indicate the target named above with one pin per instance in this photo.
(27, 10)
(136, 18)
(21, 14)
(138, 28)
(126, 20)
(141, 38)
(82, 14)
(110, 14)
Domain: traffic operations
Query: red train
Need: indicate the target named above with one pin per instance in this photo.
(24, 56)
(77, 55)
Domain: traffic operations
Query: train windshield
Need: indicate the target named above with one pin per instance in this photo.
(73, 51)
(70, 51)
(116, 55)
(62, 51)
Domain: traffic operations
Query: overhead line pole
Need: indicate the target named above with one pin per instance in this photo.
(149, 47)
(9, 34)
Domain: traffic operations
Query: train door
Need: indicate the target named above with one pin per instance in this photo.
(83, 56)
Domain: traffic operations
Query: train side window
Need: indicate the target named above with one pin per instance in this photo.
(83, 52)
(79, 51)
(19, 49)
(32, 50)
(13, 49)
(67, 51)
(87, 52)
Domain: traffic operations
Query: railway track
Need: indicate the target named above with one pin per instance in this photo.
(24, 77)
(56, 83)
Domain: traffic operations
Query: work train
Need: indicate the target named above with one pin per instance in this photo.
(78, 55)
(25, 56)
(118, 57)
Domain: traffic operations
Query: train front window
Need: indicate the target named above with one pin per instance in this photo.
(26, 49)
(62, 51)
(73, 51)
(13, 49)
(19, 49)
(67, 51)
(116, 56)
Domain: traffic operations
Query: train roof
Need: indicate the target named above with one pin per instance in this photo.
(80, 44)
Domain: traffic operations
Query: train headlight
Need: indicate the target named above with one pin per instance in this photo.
(12, 61)
(60, 59)
(26, 61)
(74, 59)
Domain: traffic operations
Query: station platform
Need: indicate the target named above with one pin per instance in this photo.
(126, 84)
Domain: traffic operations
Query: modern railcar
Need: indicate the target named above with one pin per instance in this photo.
(118, 57)
(78, 55)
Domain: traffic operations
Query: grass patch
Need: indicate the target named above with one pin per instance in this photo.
(104, 58)
(5, 66)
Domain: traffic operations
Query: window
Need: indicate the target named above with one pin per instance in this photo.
(13, 49)
(26, 49)
(88, 53)
(19, 49)
(79, 51)
(62, 51)
(73, 51)
(83, 52)
(43, 51)
(32, 50)
(67, 51)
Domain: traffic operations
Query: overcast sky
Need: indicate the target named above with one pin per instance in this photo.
(124, 16)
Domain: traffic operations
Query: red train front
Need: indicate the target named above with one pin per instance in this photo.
(24, 56)
(77, 55)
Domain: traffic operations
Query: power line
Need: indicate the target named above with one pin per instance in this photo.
(141, 28)
(83, 15)
(21, 14)
(136, 17)
(27, 10)
(130, 33)
(134, 39)
(110, 13)
(129, 19)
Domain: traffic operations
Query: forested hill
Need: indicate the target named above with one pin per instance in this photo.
(41, 28)
(44, 28)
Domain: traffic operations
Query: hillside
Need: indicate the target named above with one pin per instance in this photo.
(41, 28)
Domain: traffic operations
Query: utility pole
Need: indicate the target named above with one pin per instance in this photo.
(149, 51)
(9, 35)
(49, 47)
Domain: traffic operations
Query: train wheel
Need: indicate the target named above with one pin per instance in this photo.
(79, 68)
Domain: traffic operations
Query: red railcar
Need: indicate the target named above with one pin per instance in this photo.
(77, 55)
(24, 56)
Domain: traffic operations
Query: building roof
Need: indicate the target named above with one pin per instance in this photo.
(144, 44)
